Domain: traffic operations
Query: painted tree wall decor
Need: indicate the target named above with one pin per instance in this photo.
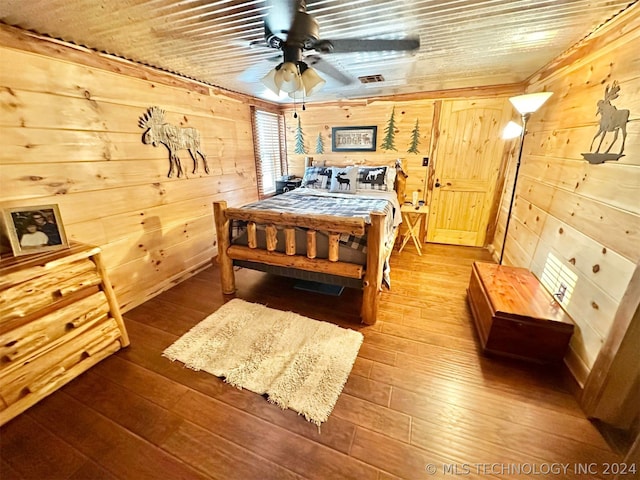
(389, 133)
(415, 139)
(299, 147)
(320, 143)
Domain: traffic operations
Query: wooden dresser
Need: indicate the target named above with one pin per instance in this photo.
(58, 318)
(515, 316)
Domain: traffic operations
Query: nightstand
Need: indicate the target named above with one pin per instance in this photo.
(287, 185)
(414, 219)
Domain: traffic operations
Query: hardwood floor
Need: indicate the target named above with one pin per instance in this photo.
(420, 394)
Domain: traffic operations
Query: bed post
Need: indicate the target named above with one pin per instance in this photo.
(373, 274)
(401, 180)
(227, 278)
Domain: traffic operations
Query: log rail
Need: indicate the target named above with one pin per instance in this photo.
(334, 226)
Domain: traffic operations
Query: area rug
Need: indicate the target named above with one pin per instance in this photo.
(298, 362)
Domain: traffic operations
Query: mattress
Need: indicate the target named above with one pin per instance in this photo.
(352, 249)
(312, 202)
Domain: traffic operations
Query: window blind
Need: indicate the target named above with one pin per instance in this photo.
(269, 144)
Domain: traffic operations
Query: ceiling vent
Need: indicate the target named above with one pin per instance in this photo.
(371, 79)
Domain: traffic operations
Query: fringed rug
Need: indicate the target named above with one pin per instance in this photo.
(300, 363)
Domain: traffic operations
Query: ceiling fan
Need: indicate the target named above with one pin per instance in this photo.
(289, 28)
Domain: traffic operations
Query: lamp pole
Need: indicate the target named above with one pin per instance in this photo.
(525, 118)
(525, 105)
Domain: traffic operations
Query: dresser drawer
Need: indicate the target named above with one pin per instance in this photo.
(50, 330)
(49, 369)
(47, 288)
(58, 317)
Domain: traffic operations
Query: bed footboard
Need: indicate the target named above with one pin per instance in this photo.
(371, 276)
(227, 278)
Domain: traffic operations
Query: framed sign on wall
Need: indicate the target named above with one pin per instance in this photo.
(353, 139)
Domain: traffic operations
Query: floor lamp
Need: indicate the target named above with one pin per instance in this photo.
(525, 105)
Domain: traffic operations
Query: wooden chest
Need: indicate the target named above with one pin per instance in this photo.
(58, 317)
(515, 316)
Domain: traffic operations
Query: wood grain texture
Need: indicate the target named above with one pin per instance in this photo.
(420, 393)
(60, 318)
(319, 120)
(467, 160)
(586, 215)
(515, 316)
(71, 137)
(352, 226)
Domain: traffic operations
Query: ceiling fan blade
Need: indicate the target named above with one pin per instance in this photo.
(348, 45)
(280, 17)
(325, 67)
(258, 44)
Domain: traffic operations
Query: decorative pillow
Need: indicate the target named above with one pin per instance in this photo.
(344, 179)
(376, 178)
(317, 177)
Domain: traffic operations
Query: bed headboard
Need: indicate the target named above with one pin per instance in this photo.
(400, 183)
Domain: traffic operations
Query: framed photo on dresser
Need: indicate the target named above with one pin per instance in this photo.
(34, 229)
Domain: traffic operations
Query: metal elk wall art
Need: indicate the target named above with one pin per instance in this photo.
(174, 138)
(613, 121)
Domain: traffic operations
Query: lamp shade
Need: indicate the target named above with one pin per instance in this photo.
(298, 94)
(530, 102)
(512, 130)
(288, 78)
(312, 81)
(269, 81)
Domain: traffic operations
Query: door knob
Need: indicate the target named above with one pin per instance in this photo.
(437, 184)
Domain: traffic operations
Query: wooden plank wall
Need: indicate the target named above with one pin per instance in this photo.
(426, 107)
(586, 215)
(320, 118)
(70, 136)
(69, 124)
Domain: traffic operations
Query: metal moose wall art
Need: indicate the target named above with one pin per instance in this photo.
(174, 138)
(611, 120)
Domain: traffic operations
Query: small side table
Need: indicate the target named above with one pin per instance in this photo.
(414, 218)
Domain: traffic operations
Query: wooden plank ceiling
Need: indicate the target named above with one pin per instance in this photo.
(464, 43)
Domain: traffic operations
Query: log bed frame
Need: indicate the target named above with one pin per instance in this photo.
(334, 226)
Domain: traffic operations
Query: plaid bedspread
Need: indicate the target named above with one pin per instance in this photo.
(351, 206)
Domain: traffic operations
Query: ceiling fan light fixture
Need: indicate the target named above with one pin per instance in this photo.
(298, 94)
(295, 78)
(312, 81)
(288, 77)
(269, 80)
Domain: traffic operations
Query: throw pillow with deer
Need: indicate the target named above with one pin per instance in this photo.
(344, 179)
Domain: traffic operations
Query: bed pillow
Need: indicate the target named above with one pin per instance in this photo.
(376, 178)
(344, 179)
(317, 177)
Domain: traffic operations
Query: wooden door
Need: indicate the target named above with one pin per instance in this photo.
(467, 160)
